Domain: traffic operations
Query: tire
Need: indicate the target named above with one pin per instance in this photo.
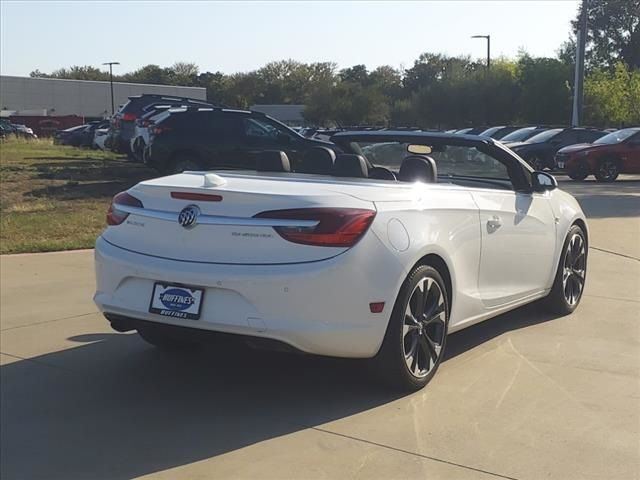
(164, 341)
(410, 331)
(580, 173)
(608, 170)
(571, 274)
(182, 163)
(537, 163)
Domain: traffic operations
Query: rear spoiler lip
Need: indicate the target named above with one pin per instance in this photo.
(218, 219)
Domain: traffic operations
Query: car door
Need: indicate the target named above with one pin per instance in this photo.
(518, 236)
(220, 137)
(263, 134)
(630, 154)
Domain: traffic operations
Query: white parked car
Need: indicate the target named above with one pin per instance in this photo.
(99, 137)
(352, 259)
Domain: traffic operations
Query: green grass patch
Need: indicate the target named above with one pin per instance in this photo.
(55, 197)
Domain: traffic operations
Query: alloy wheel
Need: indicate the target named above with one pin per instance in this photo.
(608, 170)
(574, 269)
(423, 331)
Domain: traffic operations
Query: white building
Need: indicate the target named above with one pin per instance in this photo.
(52, 96)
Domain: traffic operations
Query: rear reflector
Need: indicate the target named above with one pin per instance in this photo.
(201, 197)
(337, 227)
(115, 216)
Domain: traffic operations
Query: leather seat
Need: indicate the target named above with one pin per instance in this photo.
(350, 165)
(273, 161)
(418, 168)
(382, 173)
(317, 160)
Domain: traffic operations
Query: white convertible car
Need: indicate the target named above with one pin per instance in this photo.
(377, 252)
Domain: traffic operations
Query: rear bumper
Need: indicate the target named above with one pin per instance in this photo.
(320, 308)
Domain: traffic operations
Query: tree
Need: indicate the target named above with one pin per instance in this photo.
(152, 74)
(613, 33)
(613, 98)
(545, 93)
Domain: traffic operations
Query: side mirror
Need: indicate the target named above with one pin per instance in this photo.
(543, 182)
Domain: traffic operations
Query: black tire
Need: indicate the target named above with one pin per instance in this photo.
(182, 163)
(579, 173)
(164, 341)
(402, 371)
(536, 162)
(608, 170)
(561, 300)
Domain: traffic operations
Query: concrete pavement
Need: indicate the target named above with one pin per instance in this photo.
(522, 396)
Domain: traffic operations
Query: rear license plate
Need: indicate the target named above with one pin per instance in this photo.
(560, 164)
(176, 301)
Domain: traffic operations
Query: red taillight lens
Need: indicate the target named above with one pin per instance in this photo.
(129, 117)
(157, 129)
(115, 216)
(337, 227)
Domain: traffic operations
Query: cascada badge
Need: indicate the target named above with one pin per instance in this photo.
(176, 301)
(188, 217)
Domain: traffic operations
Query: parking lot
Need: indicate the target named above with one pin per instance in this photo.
(521, 396)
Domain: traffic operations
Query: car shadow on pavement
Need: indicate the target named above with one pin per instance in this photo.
(116, 408)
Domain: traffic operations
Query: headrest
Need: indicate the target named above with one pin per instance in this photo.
(381, 173)
(418, 168)
(350, 165)
(318, 160)
(272, 161)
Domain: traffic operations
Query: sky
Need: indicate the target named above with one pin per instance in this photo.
(243, 36)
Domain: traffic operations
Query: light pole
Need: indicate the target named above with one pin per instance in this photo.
(111, 64)
(488, 37)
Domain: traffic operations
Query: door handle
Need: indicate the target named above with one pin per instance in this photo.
(494, 223)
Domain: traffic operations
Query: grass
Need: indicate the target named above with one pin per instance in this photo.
(55, 197)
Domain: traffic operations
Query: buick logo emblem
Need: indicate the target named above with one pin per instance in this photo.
(188, 217)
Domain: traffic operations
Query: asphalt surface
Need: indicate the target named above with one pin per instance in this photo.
(522, 396)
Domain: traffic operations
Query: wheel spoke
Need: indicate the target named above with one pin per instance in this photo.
(426, 353)
(418, 300)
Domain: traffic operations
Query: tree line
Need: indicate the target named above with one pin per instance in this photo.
(437, 91)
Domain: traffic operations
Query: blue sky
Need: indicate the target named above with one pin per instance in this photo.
(242, 36)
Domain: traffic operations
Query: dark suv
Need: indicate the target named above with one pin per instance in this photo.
(123, 121)
(216, 138)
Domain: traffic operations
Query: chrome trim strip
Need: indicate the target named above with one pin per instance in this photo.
(217, 219)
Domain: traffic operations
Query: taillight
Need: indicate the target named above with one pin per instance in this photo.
(337, 227)
(129, 117)
(157, 129)
(116, 216)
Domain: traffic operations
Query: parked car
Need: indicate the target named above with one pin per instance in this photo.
(69, 136)
(523, 134)
(615, 153)
(539, 150)
(358, 259)
(100, 136)
(80, 136)
(197, 139)
(140, 138)
(24, 131)
(471, 130)
(123, 122)
(499, 132)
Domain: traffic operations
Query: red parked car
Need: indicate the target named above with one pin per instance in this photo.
(606, 158)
